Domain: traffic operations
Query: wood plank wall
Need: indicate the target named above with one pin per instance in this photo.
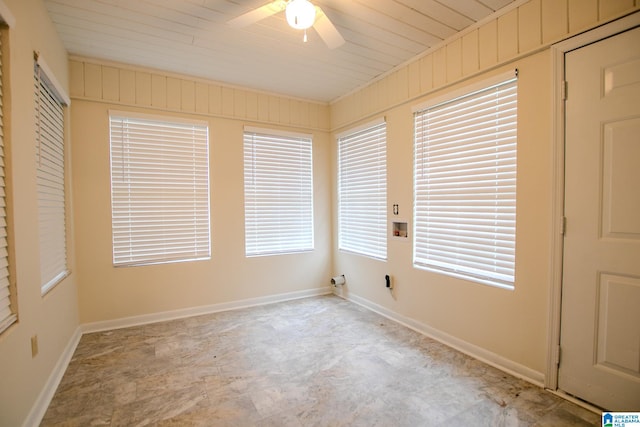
(526, 29)
(126, 85)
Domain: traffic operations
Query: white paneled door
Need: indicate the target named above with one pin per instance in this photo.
(600, 326)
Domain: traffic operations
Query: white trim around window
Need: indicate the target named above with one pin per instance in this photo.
(465, 184)
(8, 306)
(159, 189)
(362, 190)
(278, 192)
(50, 100)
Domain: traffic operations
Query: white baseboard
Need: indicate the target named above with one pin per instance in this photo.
(586, 405)
(479, 353)
(196, 311)
(39, 408)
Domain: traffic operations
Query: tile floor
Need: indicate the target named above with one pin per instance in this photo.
(319, 361)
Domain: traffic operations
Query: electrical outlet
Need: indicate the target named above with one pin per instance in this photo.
(34, 346)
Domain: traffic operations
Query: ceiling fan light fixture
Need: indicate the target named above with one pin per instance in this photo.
(300, 14)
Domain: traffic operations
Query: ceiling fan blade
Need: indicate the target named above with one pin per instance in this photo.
(327, 31)
(258, 14)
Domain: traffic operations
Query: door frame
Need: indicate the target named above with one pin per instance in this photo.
(558, 52)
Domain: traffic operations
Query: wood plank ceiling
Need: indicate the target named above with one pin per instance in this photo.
(192, 37)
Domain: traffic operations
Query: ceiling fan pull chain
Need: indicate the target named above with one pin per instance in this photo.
(305, 36)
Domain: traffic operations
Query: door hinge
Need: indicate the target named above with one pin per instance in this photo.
(564, 90)
(563, 225)
(558, 351)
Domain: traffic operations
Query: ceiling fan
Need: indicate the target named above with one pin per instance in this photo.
(301, 14)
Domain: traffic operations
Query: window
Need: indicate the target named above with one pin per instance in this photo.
(278, 192)
(159, 189)
(465, 184)
(7, 297)
(362, 188)
(50, 176)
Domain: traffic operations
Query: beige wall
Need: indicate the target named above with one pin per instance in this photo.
(108, 293)
(53, 317)
(510, 325)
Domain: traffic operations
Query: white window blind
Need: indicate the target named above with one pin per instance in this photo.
(465, 185)
(7, 305)
(278, 193)
(50, 177)
(159, 189)
(362, 187)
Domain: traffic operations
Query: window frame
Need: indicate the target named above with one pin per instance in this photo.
(8, 300)
(148, 205)
(362, 190)
(264, 198)
(51, 102)
(462, 252)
